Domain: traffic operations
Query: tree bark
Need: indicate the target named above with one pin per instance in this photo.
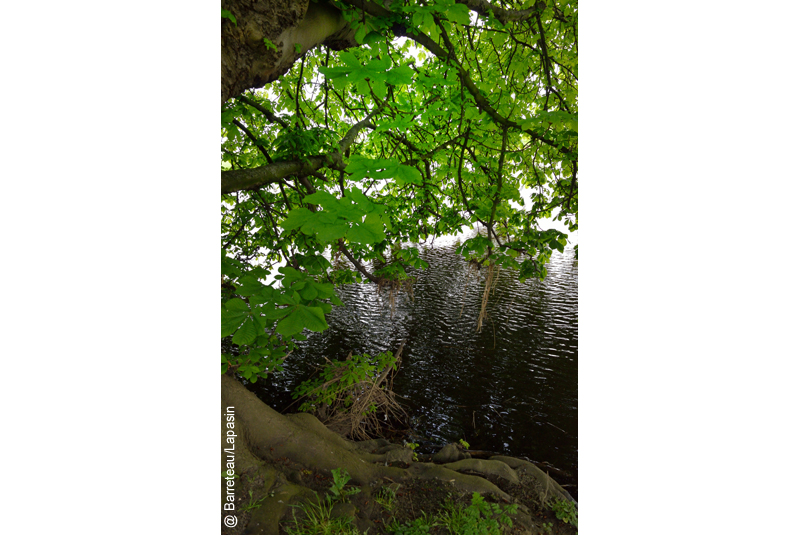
(293, 26)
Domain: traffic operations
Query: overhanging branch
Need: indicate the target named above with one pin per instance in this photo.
(359, 266)
(241, 179)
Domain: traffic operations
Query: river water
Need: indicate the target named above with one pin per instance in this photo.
(511, 388)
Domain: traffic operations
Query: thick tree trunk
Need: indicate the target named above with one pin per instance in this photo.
(293, 26)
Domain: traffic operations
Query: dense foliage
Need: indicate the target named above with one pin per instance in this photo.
(444, 116)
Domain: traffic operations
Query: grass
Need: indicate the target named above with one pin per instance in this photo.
(316, 520)
(385, 498)
(253, 503)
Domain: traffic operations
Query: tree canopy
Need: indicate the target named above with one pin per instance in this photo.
(381, 125)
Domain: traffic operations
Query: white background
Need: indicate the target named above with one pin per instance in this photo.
(688, 267)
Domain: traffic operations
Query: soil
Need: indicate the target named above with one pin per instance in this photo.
(413, 499)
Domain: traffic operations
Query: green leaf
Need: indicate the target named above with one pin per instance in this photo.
(322, 198)
(335, 72)
(249, 285)
(324, 289)
(265, 295)
(406, 173)
(350, 60)
(498, 39)
(237, 304)
(329, 233)
(361, 33)
(302, 317)
(428, 23)
(373, 37)
(363, 234)
(296, 218)
(309, 292)
(231, 320)
(380, 64)
(362, 87)
(402, 75)
(228, 15)
(380, 89)
(285, 299)
(270, 312)
(458, 13)
(290, 275)
(374, 223)
(247, 333)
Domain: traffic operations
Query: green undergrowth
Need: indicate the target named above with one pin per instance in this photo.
(478, 518)
(565, 511)
(340, 479)
(316, 519)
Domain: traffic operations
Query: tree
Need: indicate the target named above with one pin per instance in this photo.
(383, 124)
(380, 124)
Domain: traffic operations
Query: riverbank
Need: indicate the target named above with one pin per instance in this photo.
(290, 469)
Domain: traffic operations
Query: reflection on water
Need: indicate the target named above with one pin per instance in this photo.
(512, 388)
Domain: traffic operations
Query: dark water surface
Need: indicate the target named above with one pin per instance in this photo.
(512, 388)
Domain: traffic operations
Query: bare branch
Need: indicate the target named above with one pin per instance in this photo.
(351, 134)
(482, 7)
(359, 266)
(268, 114)
(253, 138)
